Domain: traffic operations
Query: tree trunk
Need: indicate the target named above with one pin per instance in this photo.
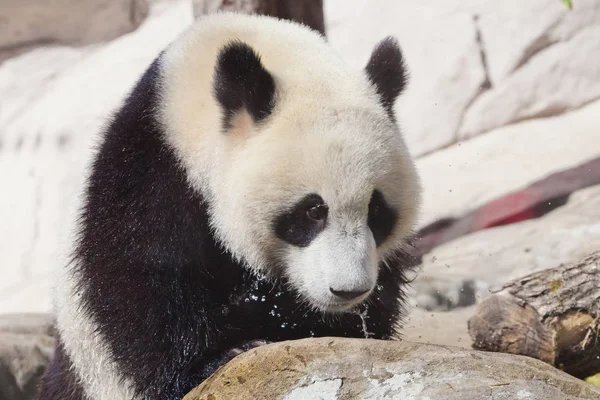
(308, 12)
(552, 315)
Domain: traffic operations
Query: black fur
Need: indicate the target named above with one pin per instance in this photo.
(169, 302)
(382, 218)
(386, 70)
(296, 227)
(242, 83)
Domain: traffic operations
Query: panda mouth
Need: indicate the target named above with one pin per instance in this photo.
(338, 305)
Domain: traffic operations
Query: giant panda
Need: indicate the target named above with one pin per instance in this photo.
(252, 188)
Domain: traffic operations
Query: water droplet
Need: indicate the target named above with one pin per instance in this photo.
(272, 313)
(311, 333)
(275, 305)
(246, 300)
(284, 325)
(264, 298)
(363, 317)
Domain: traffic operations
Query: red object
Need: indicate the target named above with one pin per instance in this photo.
(531, 202)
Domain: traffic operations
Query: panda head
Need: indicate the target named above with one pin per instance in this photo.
(304, 168)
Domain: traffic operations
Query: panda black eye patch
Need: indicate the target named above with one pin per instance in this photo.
(382, 217)
(301, 224)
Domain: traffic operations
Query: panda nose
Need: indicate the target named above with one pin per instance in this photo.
(348, 295)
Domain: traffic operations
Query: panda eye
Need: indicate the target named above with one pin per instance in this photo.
(382, 218)
(374, 209)
(318, 212)
(300, 224)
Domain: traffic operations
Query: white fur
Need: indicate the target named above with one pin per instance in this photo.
(330, 136)
(86, 349)
(89, 354)
(337, 260)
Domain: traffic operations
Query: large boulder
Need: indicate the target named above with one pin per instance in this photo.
(30, 23)
(487, 259)
(477, 65)
(475, 172)
(49, 121)
(542, 60)
(26, 347)
(335, 368)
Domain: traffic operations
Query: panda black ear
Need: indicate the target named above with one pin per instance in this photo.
(386, 70)
(241, 82)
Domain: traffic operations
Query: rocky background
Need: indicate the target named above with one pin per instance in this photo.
(502, 114)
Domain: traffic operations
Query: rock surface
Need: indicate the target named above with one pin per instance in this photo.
(538, 63)
(472, 173)
(438, 327)
(30, 23)
(26, 347)
(201, 7)
(47, 131)
(544, 86)
(476, 65)
(530, 202)
(441, 293)
(495, 256)
(332, 369)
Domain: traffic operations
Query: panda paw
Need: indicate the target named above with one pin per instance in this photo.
(211, 366)
(236, 351)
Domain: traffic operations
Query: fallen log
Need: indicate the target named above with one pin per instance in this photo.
(552, 315)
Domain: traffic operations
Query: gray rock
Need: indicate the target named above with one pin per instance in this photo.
(31, 23)
(332, 369)
(477, 65)
(446, 328)
(202, 7)
(472, 173)
(498, 255)
(49, 121)
(558, 79)
(432, 293)
(26, 347)
(517, 32)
